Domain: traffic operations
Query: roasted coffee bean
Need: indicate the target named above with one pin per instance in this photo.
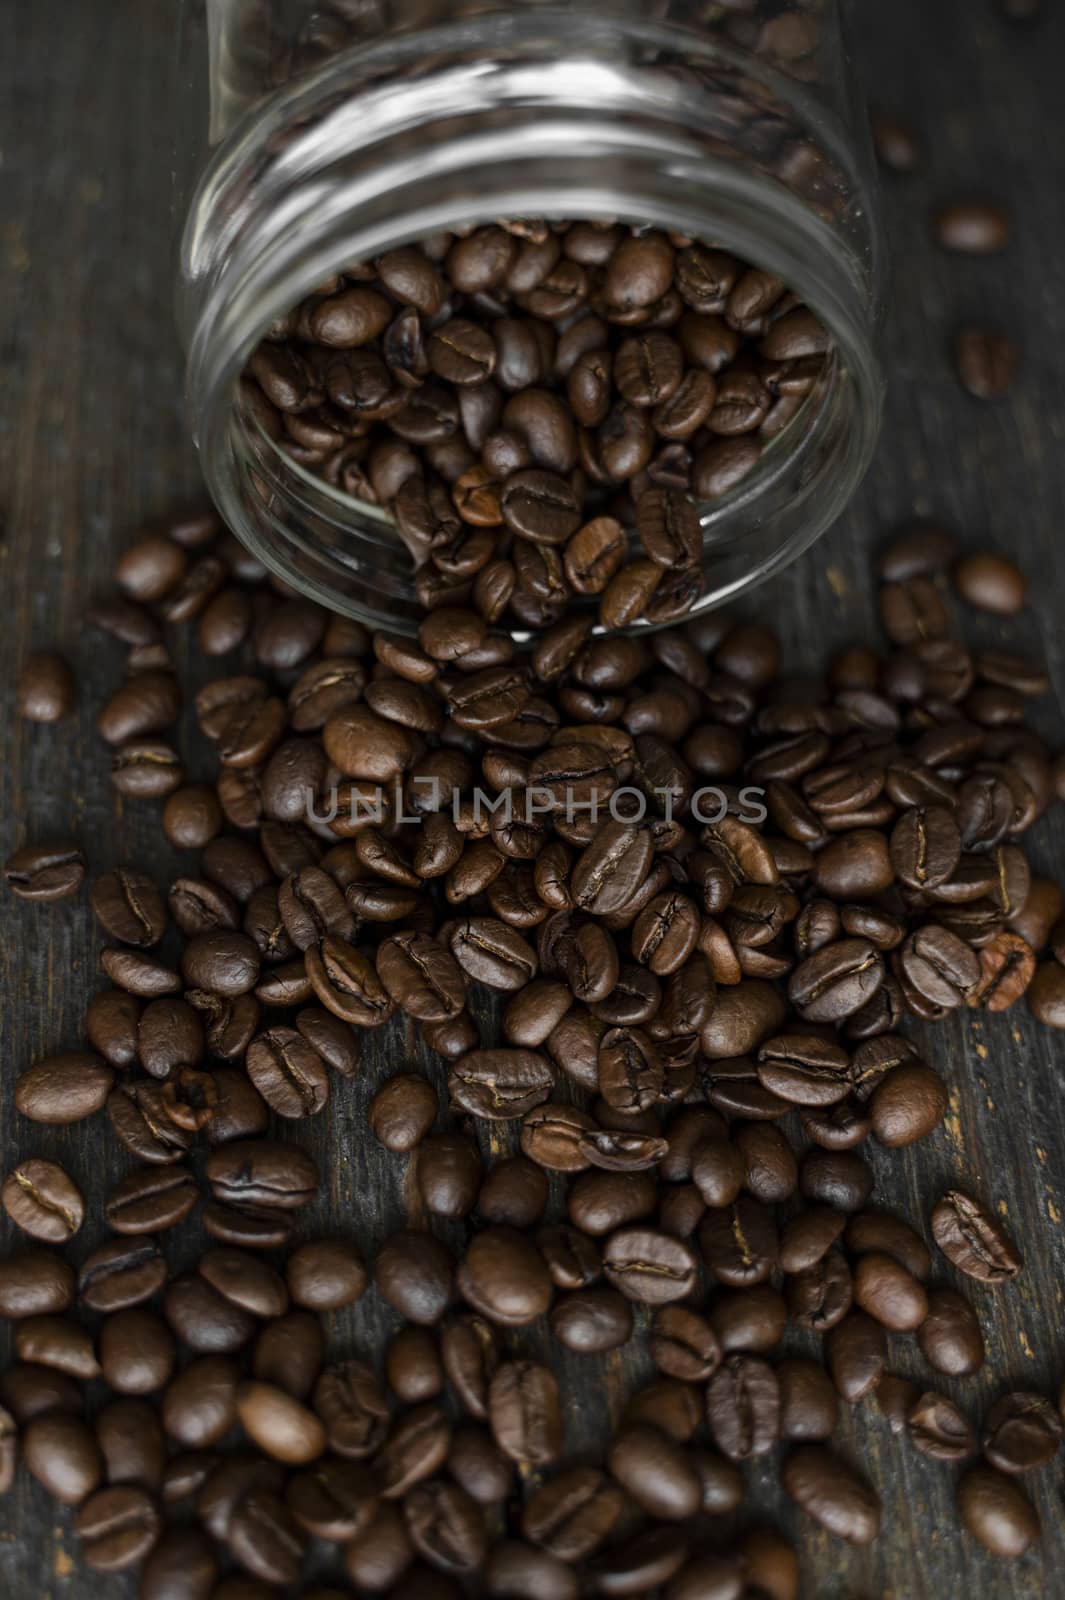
(809, 1408)
(279, 1424)
(347, 984)
(325, 1274)
(413, 1272)
(120, 1274)
(1021, 1431)
(150, 1200)
(973, 227)
(991, 583)
(137, 1351)
(352, 1408)
(650, 1267)
(885, 1289)
(262, 1172)
(60, 1451)
(997, 1512)
(985, 360)
(743, 1407)
(836, 981)
(449, 1174)
(63, 1088)
(45, 872)
(500, 1084)
(505, 1278)
(881, 1233)
(826, 1489)
(59, 1343)
(44, 1202)
(949, 1336)
(819, 1296)
(35, 1283)
(590, 1321)
(525, 1414)
(289, 1352)
(403, 1111)
(972, 1239)
(117, 1527)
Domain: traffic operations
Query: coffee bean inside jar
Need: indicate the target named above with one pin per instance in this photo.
(506, 393)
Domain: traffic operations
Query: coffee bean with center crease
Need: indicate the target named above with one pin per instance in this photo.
(347, 983)
(44, 1202)
(936, 1428)
(124, 1273)
(832, 984)
(501, 1084)
(421, 977)
(573, 1514)
(150, 1200)
(352, 1408)
(804, 1069)
(140, 1117)
(743, 1407)
(650, 1267)
(129, 907)
(262, 1172)
(1021, 1431)
(525, 1413)
(973, 1240)
(117, 1527)
(288, 1073)
(45, 872)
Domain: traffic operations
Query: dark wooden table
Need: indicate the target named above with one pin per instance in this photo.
(92, 442)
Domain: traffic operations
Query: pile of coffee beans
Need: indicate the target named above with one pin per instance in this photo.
(523, 395)
(711, 904)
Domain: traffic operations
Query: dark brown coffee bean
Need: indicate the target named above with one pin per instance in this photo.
(415, 1448)
(60, 1451)
(262, 1172)
(44, 1202)
(137, 1351)
(997, 1512)
(279, 1424)
(885, 1289)
(949, 1336)
(836, 981)
(973, 1240)
(524, 1411)
(325, 1274)
(403, 1111)
(150, 1200)
(120, 1274)
(743, 1407)
(118, 1527)
(826, 1489)
(347, 983)
(991, 583)
(352, 1408)
(1021, 1431)
(650, 1267)
(413, 1272)
(985, 360)
(45, 872)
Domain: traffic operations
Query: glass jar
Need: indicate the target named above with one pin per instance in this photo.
(339, 131)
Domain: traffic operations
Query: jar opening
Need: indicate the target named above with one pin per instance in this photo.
(470, 164)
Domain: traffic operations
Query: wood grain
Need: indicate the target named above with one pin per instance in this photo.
(92, 442)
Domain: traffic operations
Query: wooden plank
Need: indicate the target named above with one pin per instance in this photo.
(92, 441)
